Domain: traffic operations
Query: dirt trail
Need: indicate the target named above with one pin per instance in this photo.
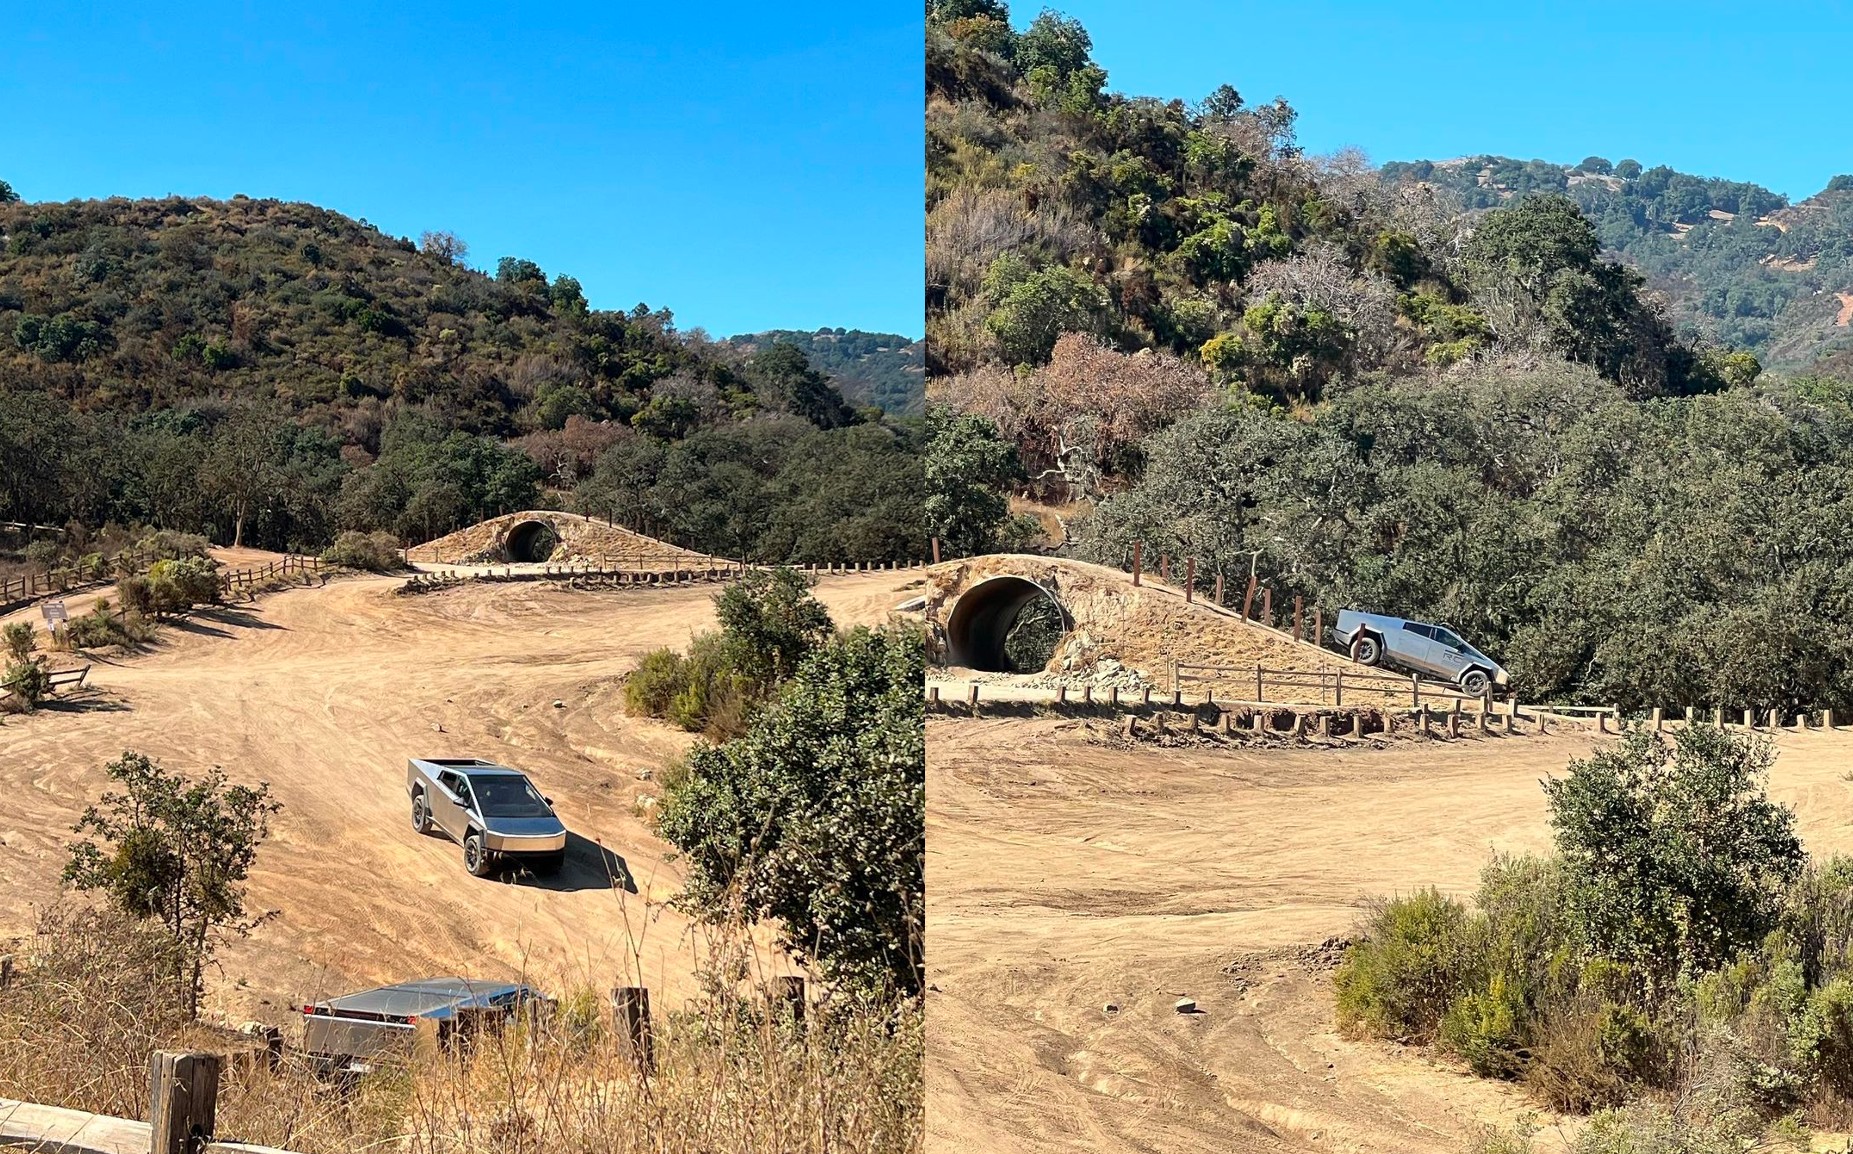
(325, 692)
(1064, 873)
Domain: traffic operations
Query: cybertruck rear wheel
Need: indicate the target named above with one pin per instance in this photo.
(421, 813)
(1475, 682)
(1367, 650)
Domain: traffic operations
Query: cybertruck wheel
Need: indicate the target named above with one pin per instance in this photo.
(1367, 650)
(476, 856)
(421, 813)
(1475, 682)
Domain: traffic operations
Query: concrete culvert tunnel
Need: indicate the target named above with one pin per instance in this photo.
(531, 542)
(1005, 625)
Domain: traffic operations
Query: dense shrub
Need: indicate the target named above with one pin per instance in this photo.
(1418, 954)
(26, 682)
(374, 552)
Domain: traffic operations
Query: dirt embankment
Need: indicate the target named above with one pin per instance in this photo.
(1077, 888)
(324, 692)
(1150, 625)
(580, 539)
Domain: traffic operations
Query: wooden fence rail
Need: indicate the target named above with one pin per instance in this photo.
(1330, 687)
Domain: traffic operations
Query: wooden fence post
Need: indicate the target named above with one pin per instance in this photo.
(1138, 560)
(1297, 610)
(1190, 579)
(1827, 719)
(1164, 566)
(1219, 590)
(184, 1093)
(936, 550)
(1258, 696)
(1248, 599)
(790, 999)
(631, 1004)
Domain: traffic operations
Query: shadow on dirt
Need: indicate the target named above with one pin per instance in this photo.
(589, 866)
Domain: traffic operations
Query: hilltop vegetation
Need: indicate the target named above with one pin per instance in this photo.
(881, 369)
(1735, 260)
(1167, 318)
(273, 373)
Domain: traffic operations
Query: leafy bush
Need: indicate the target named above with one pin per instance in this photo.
(375, 552)
(19, 640)
(101, 628)
(815, 817)
(175, 586)
(27, 683)
(1418, 954)
(1676, 858)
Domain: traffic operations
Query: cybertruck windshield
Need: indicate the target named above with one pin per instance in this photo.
(502, 796)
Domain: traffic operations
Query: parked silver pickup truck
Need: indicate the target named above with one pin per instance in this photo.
(355, 1032)
(1434, 650)
(493, 811)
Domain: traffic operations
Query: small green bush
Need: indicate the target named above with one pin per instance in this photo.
(373, 552)
(101, 628)
(175, 586)
(18, 639)
(27, 683)
(1418, 955)
(1487, 1029)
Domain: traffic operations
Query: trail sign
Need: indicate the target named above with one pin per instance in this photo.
(54, 612)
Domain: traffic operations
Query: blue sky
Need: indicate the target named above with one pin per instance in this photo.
(1714, 89)
(747, 166)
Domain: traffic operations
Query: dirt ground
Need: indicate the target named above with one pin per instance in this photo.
(324, 692)
(1066, 874)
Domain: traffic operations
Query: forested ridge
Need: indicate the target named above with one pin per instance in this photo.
(275, 372)
(1169, 322)
(886, 370)
(1734, 259)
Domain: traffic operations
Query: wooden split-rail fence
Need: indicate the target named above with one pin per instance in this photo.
(16, 591)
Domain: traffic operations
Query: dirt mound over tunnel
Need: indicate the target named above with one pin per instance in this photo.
(535, 536)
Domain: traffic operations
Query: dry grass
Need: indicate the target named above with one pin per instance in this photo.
(729, 1075)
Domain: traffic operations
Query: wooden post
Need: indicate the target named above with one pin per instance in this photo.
(1691, 714)
(1164, 566)
(1717, 716)
(1219, 590)
(789, 997)
(1087, 695)
(936, 550)
(1512, 719)
(1318, 626)
(1248, 599)
(1145, 696)
(1190, 579)
(1061, 695)
(971, 698)
(184, 1099)
(1113, 695)
(1423, 709)
(933, 695)
(631, 1006)
(1775, 718)
(1228, 723)
(1454, 723)
(1138, 556)
(1657, 719)
(1296, 616)
(1749, 719)
(1325, 723)
(1338, 688)
(1131, 727)
(1258, 696)
(1827, 722)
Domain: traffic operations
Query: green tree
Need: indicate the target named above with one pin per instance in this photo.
(771, 623)
(1034, 307)
(968, 466)
(787, 380)
(516, 270)
(7, 195)
(816, 817)
(174, 851)
(1675, 856)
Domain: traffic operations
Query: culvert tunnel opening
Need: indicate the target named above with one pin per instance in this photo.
(1006, 625)
(532, 542)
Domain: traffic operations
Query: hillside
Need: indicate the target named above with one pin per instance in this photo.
(277, 372)
(880, 369)
(1736, 261)
(1167, 322)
